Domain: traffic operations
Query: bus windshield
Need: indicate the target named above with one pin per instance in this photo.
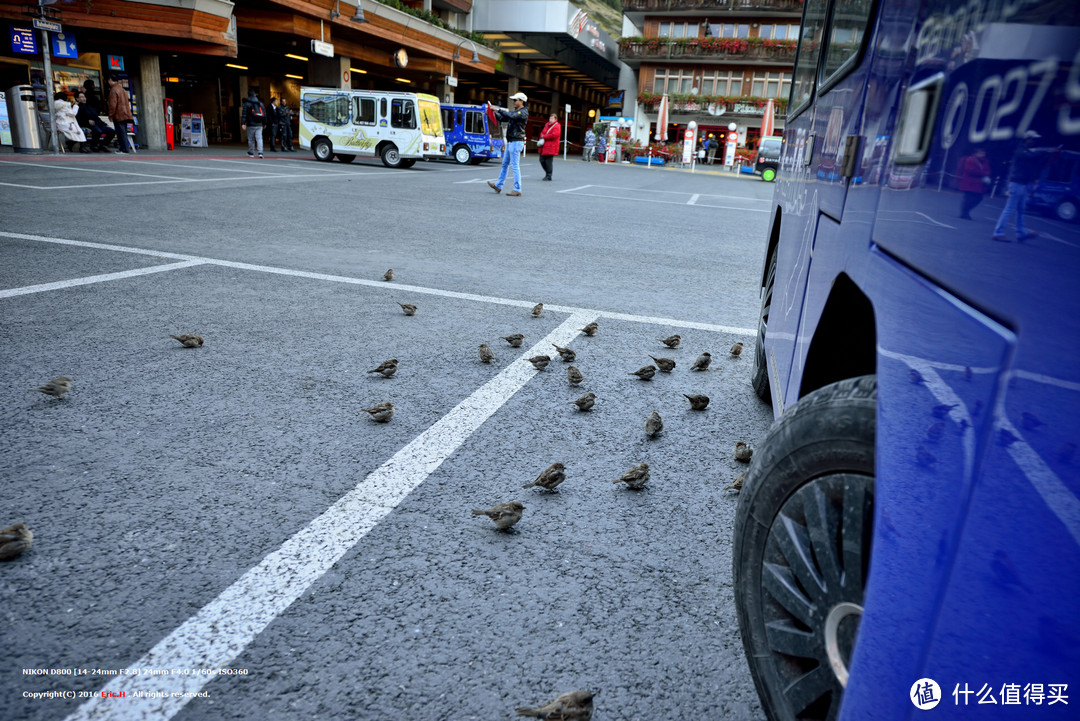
(430, 124)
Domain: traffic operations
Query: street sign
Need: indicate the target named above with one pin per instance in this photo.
(116, 63)
(451, 81)
(48, 25)
(24, 41)
(63, 46)
(320, 48)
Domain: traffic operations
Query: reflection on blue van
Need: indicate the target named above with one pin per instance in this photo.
(1058, 191)
(468, 137)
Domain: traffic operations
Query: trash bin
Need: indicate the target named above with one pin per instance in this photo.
(27, 135)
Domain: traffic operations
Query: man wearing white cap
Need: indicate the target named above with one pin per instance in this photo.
(517, 119)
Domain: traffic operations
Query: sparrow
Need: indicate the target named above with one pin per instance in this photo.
(737, 485)
(590, 329)
(666, 365)
(381, 412)
(567, 355)
(388, 275)
(537, 310)
(408, 308)
(1029, 421)
(672, 341)
(540, 362)
(586, 402)
(552, 476)
(915, 377)
(504, 514)
(57, 387)
(743, 452)
(941, 410)
(387, 368)
(635, 477)
(514, 340)
(702, 362)
(574, 375)
(190, 340)
(654, 425)
(698, 402)
(573, 706)
(736, 349)
(14, 540)
(485, 353)
(645, 373)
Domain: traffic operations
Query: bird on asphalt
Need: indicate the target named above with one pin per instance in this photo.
(698, 402)
(645, 373)
(666, 365)
(702, 362)
(514, 340)
(537, 310)
(14, 540)
(190, 340)
(654, 425)
(388, 275)
(505, 515)
(574, 375)
(941, 410)
(736, 349)
(485, 353)
(743, 452)
(56, 388)
(408, 308)
(552, 476)
(540, 362)
(635, 477)
(737, 484)
(386, 368)
(586, 402)
(380, 412)
(573, 706)
(566, 354)
(672, 341)
(590, 329)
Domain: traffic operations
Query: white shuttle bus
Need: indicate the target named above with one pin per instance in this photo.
(399, 128)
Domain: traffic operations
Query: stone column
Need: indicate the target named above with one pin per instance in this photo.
(511, 88)
(151, 109)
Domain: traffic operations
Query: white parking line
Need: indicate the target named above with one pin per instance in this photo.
(693, 199)
(397, 287)
(222, 629)
(72, 282)
(50, 166)
(203, 167)
(674, 202)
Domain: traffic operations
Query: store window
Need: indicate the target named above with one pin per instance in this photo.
(329, 109)
(365, 111)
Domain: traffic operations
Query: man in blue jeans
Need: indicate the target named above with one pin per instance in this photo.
(1027, 167)
(515, 141)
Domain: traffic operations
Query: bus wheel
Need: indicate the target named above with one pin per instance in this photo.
(759, 377)
(768, 175)
(346, 158)
(323, 149)
(801, 552)
(462, 154)
(391, 158)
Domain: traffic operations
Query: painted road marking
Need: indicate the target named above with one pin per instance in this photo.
(397, 287)
(223, 628)
(88, 170)
(71, 283)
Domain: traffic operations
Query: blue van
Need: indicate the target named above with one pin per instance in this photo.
(469, 139)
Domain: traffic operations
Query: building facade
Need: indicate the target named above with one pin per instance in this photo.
(718, 61)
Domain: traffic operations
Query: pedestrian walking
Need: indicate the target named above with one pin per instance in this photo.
(284, 121)
(517, 119)
(974, 173)
(252, 119)
(590, 145)
(549, 144)
(1025, 169)
(119, 109)
(601, 148)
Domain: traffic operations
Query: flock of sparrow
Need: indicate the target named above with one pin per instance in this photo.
(573, 706)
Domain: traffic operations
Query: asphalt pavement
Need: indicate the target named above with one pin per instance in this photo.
(222, 533)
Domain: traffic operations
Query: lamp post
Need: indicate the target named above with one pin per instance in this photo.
(475, 60)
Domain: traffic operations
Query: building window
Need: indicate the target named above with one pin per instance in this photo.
(729, 30)
(673, 81)
(771, 85)
(779, 32)
(726, 82)
(678, 30)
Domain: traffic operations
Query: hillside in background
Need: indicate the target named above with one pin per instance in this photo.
(606, 13)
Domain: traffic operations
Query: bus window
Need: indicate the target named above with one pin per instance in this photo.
(806, 61)
(326, 109)
(850, 19)
(382, 109)
(365, 111)
(402, 114)
(474, 122)
(448, 119)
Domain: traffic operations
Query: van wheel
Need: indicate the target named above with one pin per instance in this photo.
(346, 158)
(391, 158)
(462, 154)
(801, 552)
(407, 163)
(759, 377)
(323, 149)
(1066, 209)
(768, 175)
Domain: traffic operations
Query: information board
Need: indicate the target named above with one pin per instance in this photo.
(192, 131)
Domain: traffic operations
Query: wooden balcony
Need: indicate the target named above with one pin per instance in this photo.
(715, 105)
(633, 51)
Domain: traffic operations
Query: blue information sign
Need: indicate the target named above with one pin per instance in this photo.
(63, 45)
(23, 40)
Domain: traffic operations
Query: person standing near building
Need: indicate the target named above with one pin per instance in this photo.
(549, 144)
(284, 121)
(590, 145)
(119, 109)
(1026, 167)
(252, 118)
(272, 125)
(517, 119)
(974, 173)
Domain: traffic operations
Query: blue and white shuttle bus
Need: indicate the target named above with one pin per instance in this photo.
(908, 535)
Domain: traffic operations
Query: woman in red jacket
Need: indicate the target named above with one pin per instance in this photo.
(974, 172)
(549, 144)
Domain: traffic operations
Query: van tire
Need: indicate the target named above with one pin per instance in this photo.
(462, 154)
(407, 163)
(391, 156)
(346, 158)
(322, 149)
(768, 174)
